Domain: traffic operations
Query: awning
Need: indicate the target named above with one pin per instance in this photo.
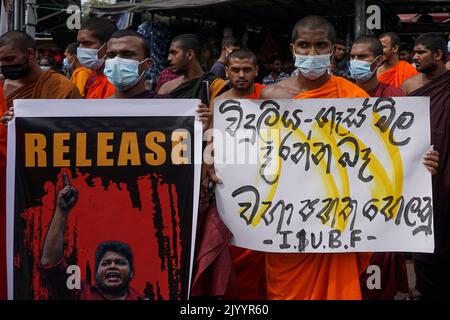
(156, 5)
(324, 7)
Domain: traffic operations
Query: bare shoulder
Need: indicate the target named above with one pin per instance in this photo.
(225, 95)
(167, 87)
(447, 65)
(285, 89)
(10, 86)
(412, 83)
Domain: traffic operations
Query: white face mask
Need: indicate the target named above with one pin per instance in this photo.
(46, 68)
(123, 73)
(88, 58)
(313, 67)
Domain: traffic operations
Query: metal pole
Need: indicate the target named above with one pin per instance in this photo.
(360, 18)
(18, 14)
(31, 18)
(130, 16)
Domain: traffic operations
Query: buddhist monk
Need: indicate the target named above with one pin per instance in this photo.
(92, 39)
(366, 58)
(184, 54)
(393, 71)
(79, 74)
(241, 68)
(298, 276)
(128, 46)
(430, 56)
(24, 79)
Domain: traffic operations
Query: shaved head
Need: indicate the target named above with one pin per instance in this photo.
(395, 39)
(18, 40)
(313, 23)
(375, 45)
(241, 54)
(101, 28)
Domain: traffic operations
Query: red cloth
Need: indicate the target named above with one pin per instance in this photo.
(385, 90)
(250, 271)
(394, 277)
(212, 262)
(257, 93)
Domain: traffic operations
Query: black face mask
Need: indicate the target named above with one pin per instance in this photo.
(14, 71)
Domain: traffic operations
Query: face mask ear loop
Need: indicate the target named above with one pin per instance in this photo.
(98, 51)
(143, 72)
(372, 63)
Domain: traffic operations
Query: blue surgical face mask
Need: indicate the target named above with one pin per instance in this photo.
(123, 73)
(88, 58)
(360, 70)
(448, 46)
(313, 67)
(67, 65)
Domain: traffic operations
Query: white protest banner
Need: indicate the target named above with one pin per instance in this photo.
(325, 175)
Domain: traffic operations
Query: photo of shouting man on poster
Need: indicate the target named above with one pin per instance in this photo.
(113, 261)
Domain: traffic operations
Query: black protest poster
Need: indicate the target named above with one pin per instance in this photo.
(103, 199)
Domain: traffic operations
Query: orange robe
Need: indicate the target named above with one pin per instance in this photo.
(257, 93)
(101, 88)
(318, 276)
(50, 85)
(79, 78)
(397, 74)
(248, 265)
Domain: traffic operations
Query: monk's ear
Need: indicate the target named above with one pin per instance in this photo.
(395, 48)
(31, 53)
(292, 50)
(148, 64)
(257, 71)
(190, 54)
(438, 55)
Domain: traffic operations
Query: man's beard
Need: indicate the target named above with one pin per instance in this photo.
(339, 59)
(244, 88)
(427, 70)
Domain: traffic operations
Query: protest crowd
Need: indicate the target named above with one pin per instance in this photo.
(108, 63)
